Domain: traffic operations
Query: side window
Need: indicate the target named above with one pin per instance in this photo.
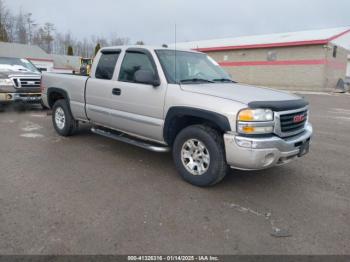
(133, 62)
(106, 66)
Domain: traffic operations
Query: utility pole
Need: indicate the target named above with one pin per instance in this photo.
(31, 25)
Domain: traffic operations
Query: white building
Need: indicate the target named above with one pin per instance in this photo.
(313, 60)
(33, 53)
(42, 60)
(66, 64)
(348, 70)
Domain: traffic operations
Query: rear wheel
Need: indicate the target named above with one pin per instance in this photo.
(62, 119)
(199, 155)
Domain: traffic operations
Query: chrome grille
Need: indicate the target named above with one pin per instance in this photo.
(291, 122)
(26, 81)
(288, 123)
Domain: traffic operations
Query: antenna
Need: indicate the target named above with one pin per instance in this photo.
(175, 52)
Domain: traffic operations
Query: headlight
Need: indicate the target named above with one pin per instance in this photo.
(255, 121)
(6, 82)
(255, 115)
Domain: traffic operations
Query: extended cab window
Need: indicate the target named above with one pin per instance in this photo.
(106, 65)
(134, 61)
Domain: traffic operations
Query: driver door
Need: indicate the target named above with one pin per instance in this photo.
(138, 108)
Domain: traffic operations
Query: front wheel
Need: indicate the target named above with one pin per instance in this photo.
(199, 155)
(62, 119)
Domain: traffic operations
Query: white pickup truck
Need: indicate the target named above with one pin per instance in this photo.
(162, 99)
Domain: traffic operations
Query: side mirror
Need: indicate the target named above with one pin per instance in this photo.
(146, 77)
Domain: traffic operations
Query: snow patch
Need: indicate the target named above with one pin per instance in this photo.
(30, 127)
(32, 135)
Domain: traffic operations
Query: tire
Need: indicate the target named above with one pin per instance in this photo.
(208, 173)
(62, 119)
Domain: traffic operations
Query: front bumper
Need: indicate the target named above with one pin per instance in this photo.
(20, 97)
(264, 152)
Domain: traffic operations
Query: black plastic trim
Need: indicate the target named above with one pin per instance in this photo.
(150, 57)
(174, 112)
(111, 51)
(279, 106)
(60, 91)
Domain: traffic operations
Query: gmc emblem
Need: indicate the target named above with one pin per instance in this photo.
(299, 119)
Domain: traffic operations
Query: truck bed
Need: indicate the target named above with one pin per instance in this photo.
(74, 85)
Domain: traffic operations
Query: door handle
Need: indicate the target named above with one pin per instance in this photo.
(116, 91)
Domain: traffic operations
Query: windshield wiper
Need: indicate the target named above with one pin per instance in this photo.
(196, 80)
(224, 80)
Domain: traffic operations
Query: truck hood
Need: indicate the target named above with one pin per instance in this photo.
(7, 74)
(241, 93)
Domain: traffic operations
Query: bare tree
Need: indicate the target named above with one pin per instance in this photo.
(10, 27)
(3, 17)
(115, 40)
(21, 28)
(31, 26)
(47, 36)
(21, 31)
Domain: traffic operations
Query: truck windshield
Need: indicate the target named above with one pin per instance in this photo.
(191, 68)
(17, 65)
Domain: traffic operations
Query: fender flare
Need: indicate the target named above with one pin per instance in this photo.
(174, 112)
(60, 91)
(56, 90)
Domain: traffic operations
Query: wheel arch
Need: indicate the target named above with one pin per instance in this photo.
(179, 118)
(54, 94)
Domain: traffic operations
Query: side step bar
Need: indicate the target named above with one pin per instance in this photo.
(129, 140)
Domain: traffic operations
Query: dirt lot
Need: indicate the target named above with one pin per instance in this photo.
(90, 195)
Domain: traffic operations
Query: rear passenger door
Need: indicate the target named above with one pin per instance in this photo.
(100, 87)
(138, 109)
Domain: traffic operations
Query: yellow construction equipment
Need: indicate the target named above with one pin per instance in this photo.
(85, 66)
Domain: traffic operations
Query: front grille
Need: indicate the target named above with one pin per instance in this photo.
(289, 123)
(26, 82)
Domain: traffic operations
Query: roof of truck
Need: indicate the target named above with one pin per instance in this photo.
(147, 47)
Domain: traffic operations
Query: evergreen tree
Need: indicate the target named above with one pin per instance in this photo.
(3, 33)
(70, 51)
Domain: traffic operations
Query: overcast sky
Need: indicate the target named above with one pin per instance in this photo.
(153, 21)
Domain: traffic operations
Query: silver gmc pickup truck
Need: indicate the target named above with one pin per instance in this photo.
(162, 99)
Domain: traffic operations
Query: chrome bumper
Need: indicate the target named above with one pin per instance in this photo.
(262, 153)
(20, 97)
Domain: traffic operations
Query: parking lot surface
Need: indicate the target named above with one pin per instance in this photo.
(90, 195)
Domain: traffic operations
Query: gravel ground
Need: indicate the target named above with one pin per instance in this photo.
(90, 195)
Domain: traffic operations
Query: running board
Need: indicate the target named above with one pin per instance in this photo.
(129, 140)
